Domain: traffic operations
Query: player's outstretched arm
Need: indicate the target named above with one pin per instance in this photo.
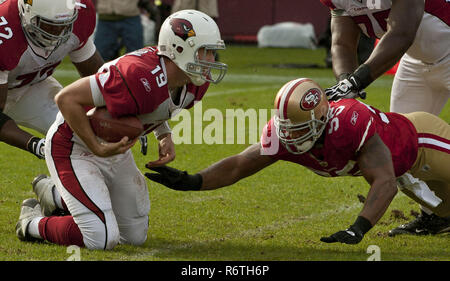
(375, 163)
(223, 173)
(234, 168)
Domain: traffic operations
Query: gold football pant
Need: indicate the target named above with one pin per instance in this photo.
(432, 165)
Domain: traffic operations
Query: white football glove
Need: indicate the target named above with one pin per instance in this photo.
(36, 146)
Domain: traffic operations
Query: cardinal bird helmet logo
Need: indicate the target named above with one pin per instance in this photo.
(182, 28)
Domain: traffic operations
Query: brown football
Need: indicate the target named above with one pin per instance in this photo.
(113, 129)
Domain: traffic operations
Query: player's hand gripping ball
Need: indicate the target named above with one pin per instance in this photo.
(113, 129)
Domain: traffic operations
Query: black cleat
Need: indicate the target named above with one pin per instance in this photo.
(424, 224)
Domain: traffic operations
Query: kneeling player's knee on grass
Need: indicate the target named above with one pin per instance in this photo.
(99, 234)
(135, 234)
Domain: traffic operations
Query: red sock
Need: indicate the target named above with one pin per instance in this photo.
(61, 231)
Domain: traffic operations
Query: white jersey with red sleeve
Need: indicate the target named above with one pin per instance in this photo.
(136, 84)
(23, 64)
(432, 37)
(351, 124)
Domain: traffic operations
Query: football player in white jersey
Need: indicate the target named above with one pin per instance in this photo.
(99, 183)
(417, 33)
(35, 36)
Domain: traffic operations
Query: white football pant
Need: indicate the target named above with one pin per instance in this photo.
(34, 106)
(107, 197)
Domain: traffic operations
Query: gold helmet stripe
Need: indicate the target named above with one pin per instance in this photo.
(287, 92)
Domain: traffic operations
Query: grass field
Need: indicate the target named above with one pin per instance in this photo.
(278, 214)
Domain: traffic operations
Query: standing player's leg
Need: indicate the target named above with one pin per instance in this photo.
(420, 87)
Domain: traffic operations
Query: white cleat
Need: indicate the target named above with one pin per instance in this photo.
(43, 187)
(30, 210)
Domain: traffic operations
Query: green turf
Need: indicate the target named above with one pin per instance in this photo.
(278, 214)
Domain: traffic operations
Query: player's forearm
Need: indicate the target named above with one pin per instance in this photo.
(345, 60)
(71, 102)
(344, 45)
(223, 173)
(11, 134)
(75, 116)
(234, 168)
(384, 56)
(90, 66)
(380, 196)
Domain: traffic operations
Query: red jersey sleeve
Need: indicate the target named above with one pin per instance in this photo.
(116, 94)
(84, 26)
(13, 42)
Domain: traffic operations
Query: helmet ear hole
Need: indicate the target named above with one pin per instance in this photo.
(179, 49)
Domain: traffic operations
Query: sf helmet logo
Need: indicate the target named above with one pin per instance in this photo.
(182, 28)
(310, 100)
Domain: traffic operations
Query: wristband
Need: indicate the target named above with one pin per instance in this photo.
(362, 224)
(362, 74)
(196, 182)
(343, 76)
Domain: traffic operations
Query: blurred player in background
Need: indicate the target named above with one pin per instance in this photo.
(417, 33)
(99, 183)
(342, 138)
(35, 36)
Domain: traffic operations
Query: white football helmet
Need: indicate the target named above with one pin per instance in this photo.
(302, 114)
(182, 35)
(47, 23)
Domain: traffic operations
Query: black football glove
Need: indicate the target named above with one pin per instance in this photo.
(144, 144)
(36, 146)
(175, 179)
(352, 85)
(352, 235)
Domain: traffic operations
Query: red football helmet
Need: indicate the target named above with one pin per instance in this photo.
(302, 114)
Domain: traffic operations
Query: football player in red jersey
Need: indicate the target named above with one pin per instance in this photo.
(98, 183)
(34, 37)
(417, 33)
(342, 138)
